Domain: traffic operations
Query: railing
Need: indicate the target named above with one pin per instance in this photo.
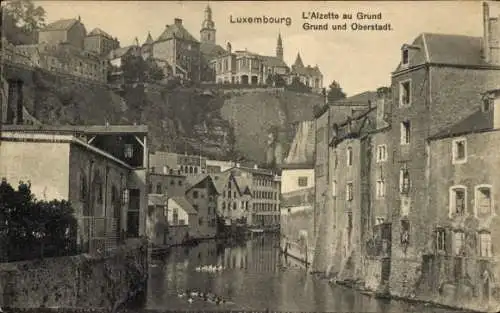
(98, 234)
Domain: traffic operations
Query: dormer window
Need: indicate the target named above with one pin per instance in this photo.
(405, 57)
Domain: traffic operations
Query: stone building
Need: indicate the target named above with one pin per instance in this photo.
(101, 170)
(308, 75)
(265, 187)
(234, 201)
(462, 228)
(100, 42)
(180, 49)
(166, 183)
(169, 162)
(202, 194)
(433, 87)
(70, 31)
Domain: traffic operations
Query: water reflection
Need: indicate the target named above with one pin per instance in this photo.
(256, 277)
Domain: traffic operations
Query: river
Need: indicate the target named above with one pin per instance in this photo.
(256, 277)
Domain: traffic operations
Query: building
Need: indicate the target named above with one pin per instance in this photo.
(170, 184)
(66, 31)
(309, 76)
(100, 42)
(169, 162)
(233, 202)
(180, 49)
(182, 219)
(433, 87)
(216, 166)
(202, 194)
(462, 228)
(265, 211)
(104, 178)
(209, 48)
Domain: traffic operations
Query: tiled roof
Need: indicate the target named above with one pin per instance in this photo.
(477, 122)
(273, 61)
(60, 25)
(177, 31)
(99, 32)
(243, 183)
(446, 49)
(358, 99)
(298, 61)
(184, 204)
(193, 180)
(211, 50)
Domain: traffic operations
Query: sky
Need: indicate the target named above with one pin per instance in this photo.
(358, 60)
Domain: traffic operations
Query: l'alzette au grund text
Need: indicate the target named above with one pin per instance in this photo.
(356, 22)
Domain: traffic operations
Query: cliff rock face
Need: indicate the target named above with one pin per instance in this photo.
(212, 122)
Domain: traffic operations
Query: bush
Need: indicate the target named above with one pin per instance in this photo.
(32, 229)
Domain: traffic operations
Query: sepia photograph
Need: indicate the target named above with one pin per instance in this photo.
(249, 156)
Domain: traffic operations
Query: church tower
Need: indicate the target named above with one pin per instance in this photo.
(279, 48)
(207, 32)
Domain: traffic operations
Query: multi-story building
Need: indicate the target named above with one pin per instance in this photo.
(265, 210)
(169, 184)
(100, 42)
(234, 201)
(169, 162)
(462, 213)
(216, 166)
(66, 31)
(103, 178)
(180, 49)
(202, 194)
(308, 75)
(434, 85)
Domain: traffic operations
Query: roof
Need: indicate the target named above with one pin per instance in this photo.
(184, 204)
(479, 121)
(86, 129)
(243, 183)
(176, 31)
(149, 39)
(307, 71)
(64, 24)
(445, 49)
(273, 61)
(120, 52)
(211, 50)
(298, 61)
(13, 135)
(257, 171)
(358, 99)
(353, 127)
(99, 32)
(220, 180)
(156, 199)
(193, 180)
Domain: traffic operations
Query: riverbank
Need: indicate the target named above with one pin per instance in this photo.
(86, 281)
(359, 286)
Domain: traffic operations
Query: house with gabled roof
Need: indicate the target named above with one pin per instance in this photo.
(100, 42)
(202, 193)
(71, 31)
(233, 201)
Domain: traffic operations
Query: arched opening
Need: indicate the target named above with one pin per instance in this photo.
(486, 287)
(244, 79)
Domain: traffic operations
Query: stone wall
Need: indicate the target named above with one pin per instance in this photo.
(76, 281)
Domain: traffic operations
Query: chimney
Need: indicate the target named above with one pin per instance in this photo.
(178, 21)
(494, 41)
(486, 32)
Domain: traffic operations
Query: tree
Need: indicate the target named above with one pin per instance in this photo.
(26, 15)
(30, 228)
(134, 68)
(298, 86)
(335, 92)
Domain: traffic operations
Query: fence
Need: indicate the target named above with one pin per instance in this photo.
(98, 234)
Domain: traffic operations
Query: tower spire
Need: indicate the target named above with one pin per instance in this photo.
(279, 47)
(207, 32)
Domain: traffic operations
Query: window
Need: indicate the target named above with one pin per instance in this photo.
(380, 192)
(158, 188)
(200, 221)
(441, 240)
(487, 104)
(381, 153)
(334, 188)
(223, 206)
(458, 200)
(404, 93)
(404, 181)
(459, 151)
(349, 192)
(172, 182)
(405, 132)
(485, 245)
(483, 200)
(302, 181)
(83, 187)
(179, 183)
(195, 194)
(128, 151)
(459, 239)
(175, 216)
(379, 220)
(349, 156)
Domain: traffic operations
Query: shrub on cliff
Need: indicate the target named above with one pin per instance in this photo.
(33, 229)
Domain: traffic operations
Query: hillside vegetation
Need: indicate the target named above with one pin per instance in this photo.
(215, 123)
